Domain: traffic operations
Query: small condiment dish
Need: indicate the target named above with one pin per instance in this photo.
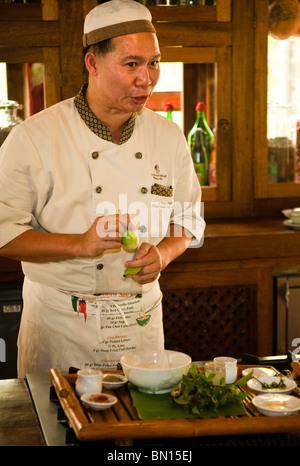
(256, 385)
(276, 404)
(98, 401)
(113, 381)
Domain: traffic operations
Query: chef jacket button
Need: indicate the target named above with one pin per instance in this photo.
(144, 190)
(138, 155)
(98, 189)
(95, 155)
(100, 266)
(143, 228)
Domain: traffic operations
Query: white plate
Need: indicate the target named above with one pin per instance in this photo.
(256, 386)
(259, 371)
(98, 401)
(290, 224)
(113, 381)
(271, 404)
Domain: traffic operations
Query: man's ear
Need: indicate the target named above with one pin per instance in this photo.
(90, 62)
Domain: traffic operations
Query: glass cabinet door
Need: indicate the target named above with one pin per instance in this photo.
(277, 152)
(190, 75)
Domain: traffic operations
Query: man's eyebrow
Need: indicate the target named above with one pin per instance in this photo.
(137, 57)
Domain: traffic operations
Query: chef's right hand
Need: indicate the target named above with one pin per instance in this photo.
(105, 233)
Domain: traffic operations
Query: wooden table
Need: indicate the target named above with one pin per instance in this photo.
(18, 422)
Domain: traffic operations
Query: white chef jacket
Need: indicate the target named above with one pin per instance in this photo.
(57, 176)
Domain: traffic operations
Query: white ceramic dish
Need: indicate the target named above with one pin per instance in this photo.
(113, 381)
(288, 212)
(290, 224)
(155, 371)
(271, 404)
(256, 386)
(259, 371)
(98, 401)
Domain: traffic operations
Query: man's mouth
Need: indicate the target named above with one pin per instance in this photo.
(142, 99)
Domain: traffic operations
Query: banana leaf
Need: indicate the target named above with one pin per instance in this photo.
(161, 406)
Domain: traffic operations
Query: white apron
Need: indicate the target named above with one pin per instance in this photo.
(60, 330)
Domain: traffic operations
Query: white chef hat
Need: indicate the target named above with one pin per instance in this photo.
(116, 18)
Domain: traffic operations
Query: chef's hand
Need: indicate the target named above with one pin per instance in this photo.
(105, 233)
(150, 259)
(153, 259)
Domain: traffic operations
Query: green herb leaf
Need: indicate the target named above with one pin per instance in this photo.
(197, 392)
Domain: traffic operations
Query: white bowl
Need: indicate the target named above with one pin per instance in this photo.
(98, 401)
(256, 386)
(271, 404)
(113, 381)
(155, 371)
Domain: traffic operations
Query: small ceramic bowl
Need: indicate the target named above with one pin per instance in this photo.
(113, 381)
(98, 401)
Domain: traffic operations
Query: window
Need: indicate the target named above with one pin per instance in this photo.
(169, 90)
(283, 110)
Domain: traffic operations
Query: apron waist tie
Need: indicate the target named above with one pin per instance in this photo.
(98, 317)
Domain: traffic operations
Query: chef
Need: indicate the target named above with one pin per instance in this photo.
(74, 179)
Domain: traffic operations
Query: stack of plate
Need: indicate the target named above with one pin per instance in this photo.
(272, 401)
(293, 218)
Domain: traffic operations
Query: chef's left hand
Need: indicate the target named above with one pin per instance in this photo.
(150, 259)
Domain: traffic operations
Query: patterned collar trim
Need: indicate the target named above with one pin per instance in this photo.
(95, 125)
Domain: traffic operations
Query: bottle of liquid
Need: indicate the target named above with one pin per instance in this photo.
(199, 156)
(208, 135)
(168, 108)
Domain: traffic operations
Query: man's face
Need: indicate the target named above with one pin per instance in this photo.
(127, 75)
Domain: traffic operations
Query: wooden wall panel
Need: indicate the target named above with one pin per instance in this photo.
(71, 60)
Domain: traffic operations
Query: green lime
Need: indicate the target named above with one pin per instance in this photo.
(130, 239)
(131, 271)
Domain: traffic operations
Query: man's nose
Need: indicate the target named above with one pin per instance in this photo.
(143, 77)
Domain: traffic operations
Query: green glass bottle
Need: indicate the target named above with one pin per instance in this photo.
(199, 155)
(168, 108)
(208, 135)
